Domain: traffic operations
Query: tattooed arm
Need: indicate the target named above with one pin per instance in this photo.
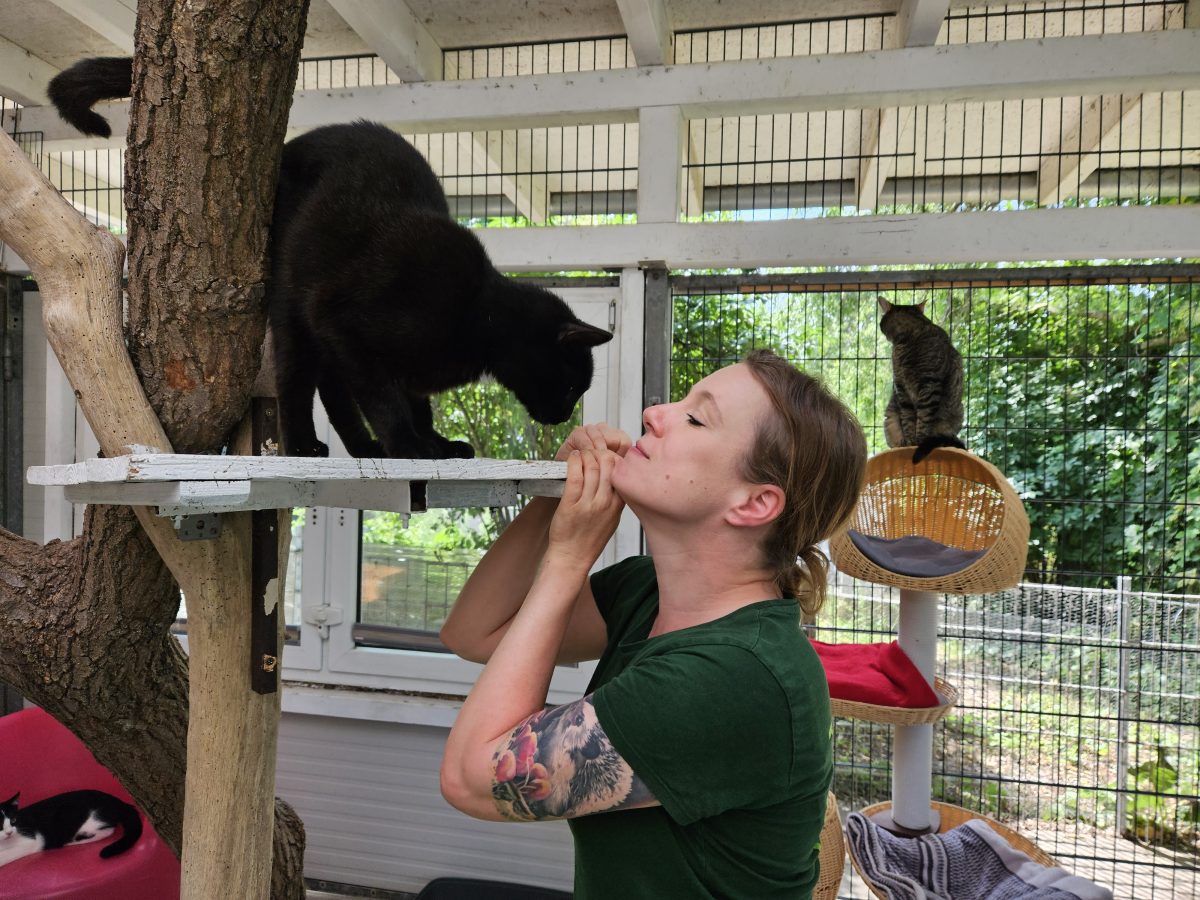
(558, 764)
(506, 705)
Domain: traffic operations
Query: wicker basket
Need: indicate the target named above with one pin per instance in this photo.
(832, 859)
(952, 497)
(952, 817)
(899, 715)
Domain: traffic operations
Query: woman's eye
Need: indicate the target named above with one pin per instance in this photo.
(692, 420)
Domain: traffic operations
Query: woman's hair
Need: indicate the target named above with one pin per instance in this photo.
(815, 450)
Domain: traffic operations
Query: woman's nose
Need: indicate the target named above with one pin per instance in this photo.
(652, 418)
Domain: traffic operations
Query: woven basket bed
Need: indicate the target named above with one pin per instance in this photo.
(899, 715)
(952, 497)
(952, 817)
(832, 858)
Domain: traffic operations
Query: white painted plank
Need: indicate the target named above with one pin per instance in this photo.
(1093, 64)
(1050, 234)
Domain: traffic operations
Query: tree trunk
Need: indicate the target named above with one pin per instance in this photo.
(84, 624)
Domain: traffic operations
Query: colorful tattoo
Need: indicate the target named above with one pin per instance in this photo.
(559, 764)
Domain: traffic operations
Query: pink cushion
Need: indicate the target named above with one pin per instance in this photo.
(881, 674)
(40, 758)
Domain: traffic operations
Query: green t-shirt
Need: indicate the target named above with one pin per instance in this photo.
(728, 724)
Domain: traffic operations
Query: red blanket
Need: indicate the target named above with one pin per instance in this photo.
(881, 674)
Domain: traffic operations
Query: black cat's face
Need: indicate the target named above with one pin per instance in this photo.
(8, 817)
(553, 377)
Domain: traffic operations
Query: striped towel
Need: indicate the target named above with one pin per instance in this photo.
(970, 862)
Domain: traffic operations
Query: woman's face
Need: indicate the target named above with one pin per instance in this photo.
(687, 463)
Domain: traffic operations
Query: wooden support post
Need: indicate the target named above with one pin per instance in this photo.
(264, 562)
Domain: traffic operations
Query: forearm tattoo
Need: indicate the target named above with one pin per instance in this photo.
(559, 764)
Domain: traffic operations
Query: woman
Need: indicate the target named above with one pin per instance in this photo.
(699, 761)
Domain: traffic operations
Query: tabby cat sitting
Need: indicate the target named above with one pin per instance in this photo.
(925, 410)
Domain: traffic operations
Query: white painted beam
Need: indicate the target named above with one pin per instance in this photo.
(396, 35)
(1163, 232)
(1060, 67)
(111, 19)
(648, 29)
(660, 159)
(23, 78)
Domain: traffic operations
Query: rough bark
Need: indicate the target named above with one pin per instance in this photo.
(84, 624)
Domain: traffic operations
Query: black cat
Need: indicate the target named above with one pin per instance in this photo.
(378, 298)
(75, 817)
(925, 410)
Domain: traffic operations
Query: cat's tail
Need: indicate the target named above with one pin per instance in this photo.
(74, 90)
(934, 441)
(130, 821)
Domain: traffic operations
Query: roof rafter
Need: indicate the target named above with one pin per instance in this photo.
(892, 128)
(391, 29)
(111, 19)
(23, 76)
(648, 28)
(1100, 122)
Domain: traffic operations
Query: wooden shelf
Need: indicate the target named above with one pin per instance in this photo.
(192, 484)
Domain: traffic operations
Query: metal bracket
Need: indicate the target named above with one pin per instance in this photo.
(198, 528)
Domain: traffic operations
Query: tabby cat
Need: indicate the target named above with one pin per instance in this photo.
(75, 817)
(377, 298)
(926, 409)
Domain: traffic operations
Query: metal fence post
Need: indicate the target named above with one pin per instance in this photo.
(1124, 583)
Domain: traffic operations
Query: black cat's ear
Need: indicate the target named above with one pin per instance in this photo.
(11, 800)
(883, 303)
(584, 335)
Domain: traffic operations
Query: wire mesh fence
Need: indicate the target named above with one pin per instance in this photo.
(1079, 723)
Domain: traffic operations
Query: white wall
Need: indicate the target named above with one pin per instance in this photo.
(368, 795)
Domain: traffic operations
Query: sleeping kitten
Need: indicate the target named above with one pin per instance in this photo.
(76, 817)
(377, 297)
(925, 410)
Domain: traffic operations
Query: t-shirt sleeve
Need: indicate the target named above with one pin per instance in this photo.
(707, 728)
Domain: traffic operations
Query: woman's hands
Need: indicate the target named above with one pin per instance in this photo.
(589, 510)
(595, 437)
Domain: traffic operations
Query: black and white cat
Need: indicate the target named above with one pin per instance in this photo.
(378, 299)
(925, 410)
(76, 817)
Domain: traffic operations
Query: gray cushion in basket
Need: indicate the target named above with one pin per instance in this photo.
(918, 557)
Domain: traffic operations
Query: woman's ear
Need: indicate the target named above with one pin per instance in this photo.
(761, 504)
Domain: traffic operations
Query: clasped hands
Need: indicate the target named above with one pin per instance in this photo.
(590, 508)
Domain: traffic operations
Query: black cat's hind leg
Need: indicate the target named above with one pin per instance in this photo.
(296, 365)
(439, 447)
(346, 419)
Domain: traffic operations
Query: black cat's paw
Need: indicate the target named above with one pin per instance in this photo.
(459, 450)
(312, 448)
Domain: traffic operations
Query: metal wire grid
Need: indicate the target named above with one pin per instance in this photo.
(1080, 712)
(949, 157)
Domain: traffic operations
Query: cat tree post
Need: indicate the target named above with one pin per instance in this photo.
(912, 762)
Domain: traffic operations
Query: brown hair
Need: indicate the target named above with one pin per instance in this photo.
(815, 450)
